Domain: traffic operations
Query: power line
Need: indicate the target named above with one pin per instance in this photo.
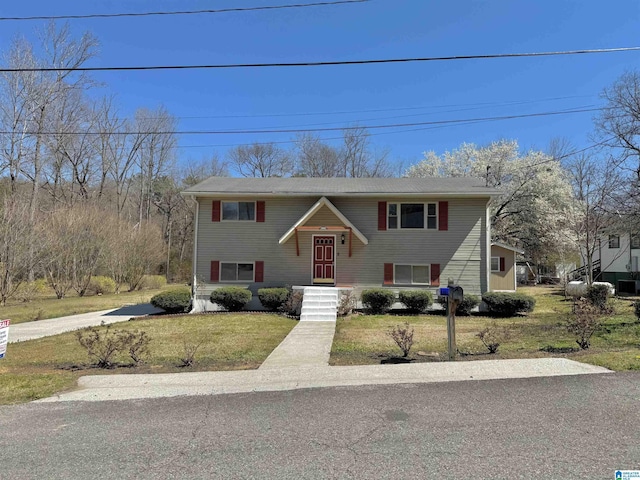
(472, 106)
(319, 64)
(311, 130)
(181, 12)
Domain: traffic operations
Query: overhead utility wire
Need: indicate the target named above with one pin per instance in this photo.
(327, 129)
(319, 64)
(180, 12)
(472, 106)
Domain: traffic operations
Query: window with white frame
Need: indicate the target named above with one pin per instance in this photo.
(495, 264)
(239, 211)
(614, 241)
(236, 272)
(411, 274)
(412, 215)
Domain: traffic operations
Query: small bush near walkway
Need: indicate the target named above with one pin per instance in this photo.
(273, 298)
(293, 305)
(377, 300)
(508, 304)
(103, 345)
(232, 299)
(493, 336)
(403, 336)
(416, 301)
(173, 301)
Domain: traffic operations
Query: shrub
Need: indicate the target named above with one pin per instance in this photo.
(584, 322)
(232, 299)
(598, 296)
(152, 282)
(103, 344)
(347, 303)
(173, 301)
(508, 304)
(377, 300)
(100, 285)
(403, 336)
(28, 290)
(468, 303)
(493, 336)
(416, 300)
(273, 298)
(293, 305)
(636, 309)
(188, 357)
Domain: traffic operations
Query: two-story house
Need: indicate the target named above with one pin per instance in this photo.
(346, 232)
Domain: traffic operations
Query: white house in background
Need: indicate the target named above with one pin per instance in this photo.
(617, 255)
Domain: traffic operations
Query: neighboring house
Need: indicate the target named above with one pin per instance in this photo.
(348, 232)
(615, 260)
(503, 267)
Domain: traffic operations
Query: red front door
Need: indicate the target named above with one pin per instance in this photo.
(323, 259)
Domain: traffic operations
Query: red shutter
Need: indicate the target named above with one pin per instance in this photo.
(435, 274)
(382, 216)
(502, 264)
(259, 272)
(215, 211)
(443, 215)
(259, 211)
(388, 273)
(215, 271)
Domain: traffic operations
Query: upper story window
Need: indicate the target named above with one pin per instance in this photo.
(614, 241)
(239, 211)
(412, 215)
(635, 240)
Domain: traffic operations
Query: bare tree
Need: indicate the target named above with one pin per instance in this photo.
(595, 186)
(316, 158)
(261, 160)
(14, 251)
(357, 158)
(155, 155)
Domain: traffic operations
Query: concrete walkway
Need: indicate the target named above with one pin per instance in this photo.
(125, 387)
(307, 345)
(53, 326)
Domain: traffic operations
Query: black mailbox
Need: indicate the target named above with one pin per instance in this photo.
(456, 293)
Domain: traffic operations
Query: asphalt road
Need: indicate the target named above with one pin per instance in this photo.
(575, 427)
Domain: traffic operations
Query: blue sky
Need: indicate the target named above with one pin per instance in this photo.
(375, 94)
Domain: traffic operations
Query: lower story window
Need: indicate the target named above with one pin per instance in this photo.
(236, 272)
(411, 274)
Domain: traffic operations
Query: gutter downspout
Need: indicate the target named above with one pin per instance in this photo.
(194, 284)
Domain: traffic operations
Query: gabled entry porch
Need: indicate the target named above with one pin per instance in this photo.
(325, 227)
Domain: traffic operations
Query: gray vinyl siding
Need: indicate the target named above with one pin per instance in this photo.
(460, 251)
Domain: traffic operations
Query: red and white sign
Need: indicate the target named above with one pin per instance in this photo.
(4, 336)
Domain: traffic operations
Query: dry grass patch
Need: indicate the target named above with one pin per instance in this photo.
(362, 339)
(39, 368)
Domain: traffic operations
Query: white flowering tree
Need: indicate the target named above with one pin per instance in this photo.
(532, 210)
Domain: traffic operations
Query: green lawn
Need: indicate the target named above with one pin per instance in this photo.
(48, 306)
(39, 368)
(362, 339)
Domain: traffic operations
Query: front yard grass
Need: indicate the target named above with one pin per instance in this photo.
(363, 339)
(40, 368)
(48, 306)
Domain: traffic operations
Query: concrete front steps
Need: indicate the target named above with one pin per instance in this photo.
(319, 304)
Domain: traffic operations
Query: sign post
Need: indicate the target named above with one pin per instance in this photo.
(4, 337)
(456, 294)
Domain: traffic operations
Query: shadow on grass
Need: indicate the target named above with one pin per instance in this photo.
(396, 360)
